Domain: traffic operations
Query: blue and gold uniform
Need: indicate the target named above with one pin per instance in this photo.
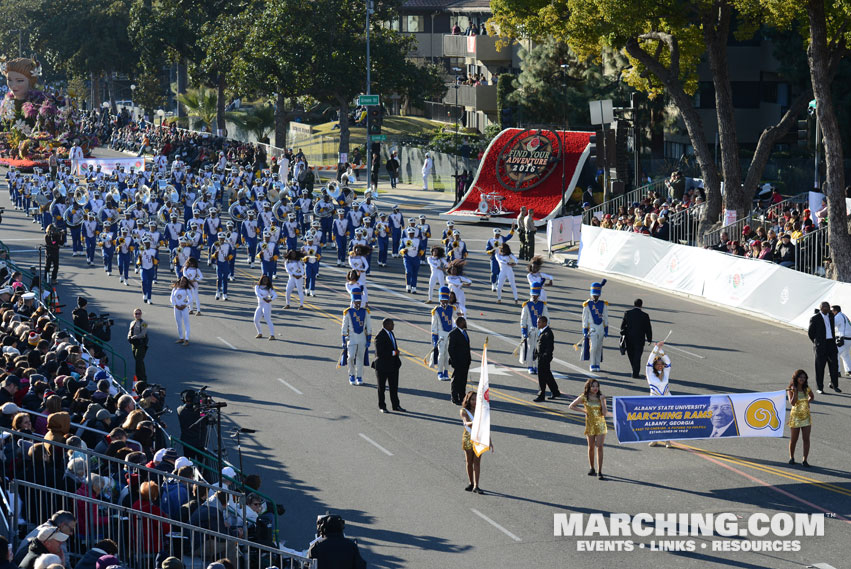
(595, 326)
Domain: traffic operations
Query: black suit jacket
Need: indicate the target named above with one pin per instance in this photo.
(385, 361)
(636, 326)
(818, 333)
(546, 345)
(459, 348)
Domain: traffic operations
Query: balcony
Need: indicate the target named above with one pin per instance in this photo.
(479, 97)
(482, 48)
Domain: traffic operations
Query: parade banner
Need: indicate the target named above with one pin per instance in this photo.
(637, 257)
(109, 165)
(564, 229)
(685, 417)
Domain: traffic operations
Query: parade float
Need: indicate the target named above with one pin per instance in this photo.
(526, 168)
(34, 123)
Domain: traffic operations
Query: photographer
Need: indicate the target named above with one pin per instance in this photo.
(193, 430)
(80, 315)
(137, 335)
(333, 549)
(52, 243)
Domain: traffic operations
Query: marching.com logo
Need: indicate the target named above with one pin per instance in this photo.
(764, 527)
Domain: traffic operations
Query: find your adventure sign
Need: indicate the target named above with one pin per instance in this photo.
(528, 159)
(684, 417)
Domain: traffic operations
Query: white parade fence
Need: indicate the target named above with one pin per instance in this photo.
(750, 285)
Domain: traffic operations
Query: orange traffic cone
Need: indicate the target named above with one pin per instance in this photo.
(56, 308)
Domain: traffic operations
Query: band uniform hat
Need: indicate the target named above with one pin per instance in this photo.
(597, 288)
(444, 293)
(357, 294)
(536, 288)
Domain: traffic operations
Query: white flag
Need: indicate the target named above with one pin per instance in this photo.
(480, 434)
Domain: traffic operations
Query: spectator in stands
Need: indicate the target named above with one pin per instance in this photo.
(89, 516)
(663, 228)
(212, 515)
(47, 540)
(786, 252)
(99, 549)
(175, 493)
(6, 554)
(48, 561)
(152, 532)
(124, 407)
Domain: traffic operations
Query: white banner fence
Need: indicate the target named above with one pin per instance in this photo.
(751, 285)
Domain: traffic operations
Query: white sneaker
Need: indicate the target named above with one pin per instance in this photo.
(407, 289)
(218, 296)
(414, 290)
(224, 297)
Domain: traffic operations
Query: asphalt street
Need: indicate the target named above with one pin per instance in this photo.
(397, 479)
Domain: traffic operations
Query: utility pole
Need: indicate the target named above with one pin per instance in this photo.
(369, 8)
(636, 147)
(564, 68)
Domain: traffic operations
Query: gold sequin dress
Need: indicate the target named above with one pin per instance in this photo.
(595, 423)
(799, 416)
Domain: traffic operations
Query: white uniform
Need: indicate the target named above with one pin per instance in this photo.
(506, 272)
(181, 298)
(265, 296)
(356, 328)
(295, 280)
(438, 276)
(536, 278)
(529, 331)
(195, 277)
(843, 330)
(658, 386)
(595, 322)
(455, 283)
(361, 265)
(442, 319)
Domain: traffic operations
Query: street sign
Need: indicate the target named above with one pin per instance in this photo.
(601, 111)
(367, 100)
(378, 137)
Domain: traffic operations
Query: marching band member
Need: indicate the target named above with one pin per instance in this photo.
(411, 254)
(180, 255)
(147, 260)
(437, 263)
(212, 227)
(180, 298)
(323, 211)
(595, 326)
(125, 254)
(424, 230)
(194, 237)
(506, 261)
(302, 207)
(157, 241)
(268, 255)
(221, 253)
(359, 263)
(340, 232)
(455, 247)
(368, 232)
(442, 317)
(193, 274)
(357, 337)
(76, 227)
(294, 267)
(395, 222)
(492, 248)
(250, 231)
(90, 235)
(457, 282)
(107, 242)
(290, 230)
(355, 215)
(173, 231)
(658, 372)
(535, 275)
(311, 254)
(382, 235)
(232, 237)
(532, 310)
(264, 290)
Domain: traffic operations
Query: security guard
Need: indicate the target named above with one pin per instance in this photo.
(357, 337)
(442, 317)
(595, 326)
(532, 310)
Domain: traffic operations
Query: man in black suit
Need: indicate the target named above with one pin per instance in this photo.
(459, 359)
(387, 363)
(544, 350)
(822, 333)
(635, 326)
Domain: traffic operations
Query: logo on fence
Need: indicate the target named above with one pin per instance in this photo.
(784, 295)
(603, 246)
(736, 280)
(636, 258)
(527, 159)
(674, 264)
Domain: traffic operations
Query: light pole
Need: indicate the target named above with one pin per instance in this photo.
(564, 68)
(369, 10)
(20, 42)
(161, 114)
(456, 86)
(132, 96)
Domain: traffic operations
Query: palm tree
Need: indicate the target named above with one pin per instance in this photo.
(200, 105)
(258, 120)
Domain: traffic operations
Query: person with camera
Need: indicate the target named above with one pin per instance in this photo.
(193, 430)
(332, 548)
(137, 335)
(52, 243)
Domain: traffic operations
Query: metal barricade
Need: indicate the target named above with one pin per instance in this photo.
(142, 535)
(766, 217)
(811, 250)
(625, 200)
(683, 226)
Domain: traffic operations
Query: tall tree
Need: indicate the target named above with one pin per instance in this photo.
(664, 41)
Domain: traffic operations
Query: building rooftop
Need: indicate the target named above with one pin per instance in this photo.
(448, 5)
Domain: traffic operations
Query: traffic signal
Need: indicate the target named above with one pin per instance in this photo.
(596, 154)
(803, 132)
(375, 116)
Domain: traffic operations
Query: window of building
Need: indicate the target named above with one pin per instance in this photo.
(704, 98)
(745, 94)
(394, 24)
(414, 24)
